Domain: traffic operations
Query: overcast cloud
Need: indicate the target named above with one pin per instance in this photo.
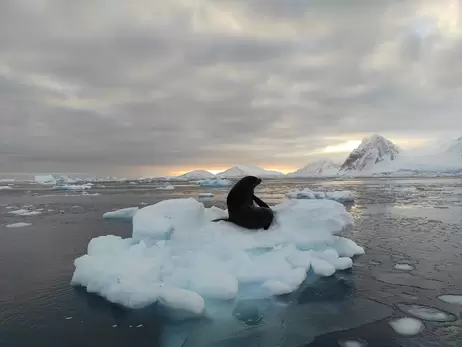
(109, 86)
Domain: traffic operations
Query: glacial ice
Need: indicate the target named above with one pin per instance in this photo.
(124, 213)
(177, 257)
(306, 193)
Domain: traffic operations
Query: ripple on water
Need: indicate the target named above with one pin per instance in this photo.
(427, 313)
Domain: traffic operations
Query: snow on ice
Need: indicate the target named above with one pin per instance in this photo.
(124, 213)
(18, 225)
(177, 257)
(306, 193)
(407, 326)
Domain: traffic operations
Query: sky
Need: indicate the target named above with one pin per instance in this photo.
(146, 87)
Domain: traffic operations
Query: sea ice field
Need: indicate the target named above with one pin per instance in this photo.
(360, 262)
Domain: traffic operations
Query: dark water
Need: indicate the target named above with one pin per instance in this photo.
(417, 222)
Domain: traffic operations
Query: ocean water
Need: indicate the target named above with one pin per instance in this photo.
(409, 221)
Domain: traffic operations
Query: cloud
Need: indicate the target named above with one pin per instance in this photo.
(108, 86)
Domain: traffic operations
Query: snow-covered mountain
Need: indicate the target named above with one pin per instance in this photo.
(249, 170)
(319, 168)
(197, 175)
(374, 154)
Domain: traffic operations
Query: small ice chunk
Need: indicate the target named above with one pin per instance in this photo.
(322, 267)
(206, 195)
(427, 313)
(404, 267)
(74, 186)
(169, 187)
(182, 300)
(114, 326)
(352, 343)
(139, 326)
(407, 326)
(5, 188)
(68, 318)
(306, 193)
(18, 225)
(23, 212)
(451, 299)
(124, 213)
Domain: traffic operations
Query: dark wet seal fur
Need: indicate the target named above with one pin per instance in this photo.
(241, 208)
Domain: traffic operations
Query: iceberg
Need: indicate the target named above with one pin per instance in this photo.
(45, 179)
(177, 257)
(340, 196)
(214, 182)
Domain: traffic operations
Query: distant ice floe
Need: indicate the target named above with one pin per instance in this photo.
(214, 182)
(176, 256)
(206, 195)
(306, 193)
(18, 225)
(23, 212)
(407, 326)
(5, 188)
(124, 213)
(74, 186)
(352, 343)
(169, 187)
(427, 313)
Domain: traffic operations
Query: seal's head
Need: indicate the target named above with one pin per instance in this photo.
(252, 181)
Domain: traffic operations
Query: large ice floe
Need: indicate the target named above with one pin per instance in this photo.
(177, 257)
(306, 193)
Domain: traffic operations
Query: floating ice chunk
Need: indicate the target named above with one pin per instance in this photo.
(341, 196)
(322, 267)
(68, 318)
(177, 255)
(7, 180)
(5, 188)
(169, 187)
(133, 183)
(139, 326)
(18, 225)
(114, 326)
(124, 213)
(404, 267)
(45, 179)
(214, 182)
(427, 313)
(74, 186)
(407, 326)
(451, 299)
(352, 343)
(206, 195)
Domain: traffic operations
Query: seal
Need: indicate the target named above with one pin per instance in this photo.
(241, 208)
